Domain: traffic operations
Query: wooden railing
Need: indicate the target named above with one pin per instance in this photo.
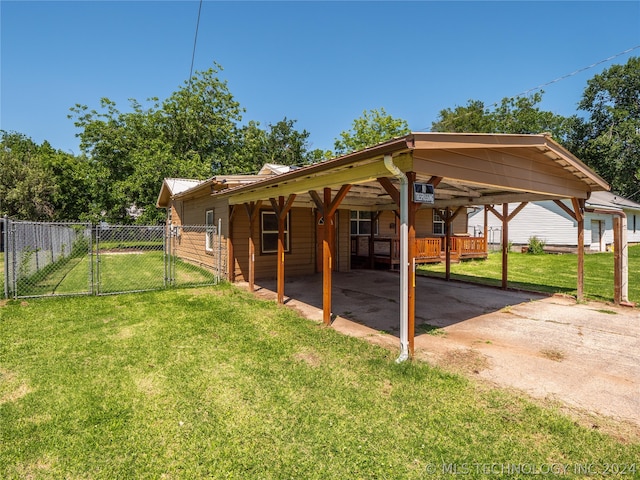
(469, 247)
(427, 249)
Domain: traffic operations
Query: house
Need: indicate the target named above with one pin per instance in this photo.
(550, 223)
(409, 197)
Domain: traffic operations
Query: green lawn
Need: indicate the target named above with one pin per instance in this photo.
(214, 383)
(547, 273)
(120, 271)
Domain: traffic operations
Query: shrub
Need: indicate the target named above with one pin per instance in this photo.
(536, 245)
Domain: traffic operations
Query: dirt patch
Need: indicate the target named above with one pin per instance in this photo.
(464, 360)
(311, 358)
(12, 388)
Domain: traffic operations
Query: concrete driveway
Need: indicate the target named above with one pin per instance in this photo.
(585, 356)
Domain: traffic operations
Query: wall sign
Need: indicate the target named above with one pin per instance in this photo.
(423, 193)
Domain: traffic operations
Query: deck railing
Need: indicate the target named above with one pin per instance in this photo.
(427, 249)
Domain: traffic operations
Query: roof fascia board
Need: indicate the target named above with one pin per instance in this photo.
(302, 181)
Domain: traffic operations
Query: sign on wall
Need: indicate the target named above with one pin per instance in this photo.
(423, 193)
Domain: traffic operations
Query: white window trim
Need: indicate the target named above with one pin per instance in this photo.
(438, 220)
(209, 221)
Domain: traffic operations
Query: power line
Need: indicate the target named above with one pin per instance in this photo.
(195, 42)
(563, 77)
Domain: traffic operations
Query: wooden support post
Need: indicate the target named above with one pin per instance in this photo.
(578, 212)
(505, 245)
(617, 260)
(447, 244)
(328, 207)
(486, 226)
(411, 290)
(252, 210)
(231, 256)
(281, 210)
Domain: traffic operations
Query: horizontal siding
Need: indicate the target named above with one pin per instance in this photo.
(301, 259)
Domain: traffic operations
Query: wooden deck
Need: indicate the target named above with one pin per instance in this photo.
(386, 250)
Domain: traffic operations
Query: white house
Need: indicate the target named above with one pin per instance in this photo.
(550, 223)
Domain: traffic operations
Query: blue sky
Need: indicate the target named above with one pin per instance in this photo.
(320, 63)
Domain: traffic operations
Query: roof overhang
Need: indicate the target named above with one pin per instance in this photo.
(472, 169)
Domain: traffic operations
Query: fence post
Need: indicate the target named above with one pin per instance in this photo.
(219, 251)
(5, 253)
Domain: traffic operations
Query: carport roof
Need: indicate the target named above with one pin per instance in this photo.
(471, 168)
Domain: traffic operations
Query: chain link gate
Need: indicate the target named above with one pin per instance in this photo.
(52, 259)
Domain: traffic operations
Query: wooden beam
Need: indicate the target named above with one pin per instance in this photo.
(578, 215)
(517, 210)
(411, 287)
(457, 212)
(505, 245)
(390, 189)
(435, 181)
(495, 212)
(566, 209)
(252, 209)
(231, 256)
(281, 209)
(346, 174)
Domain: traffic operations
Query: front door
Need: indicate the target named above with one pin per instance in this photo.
(596, 235)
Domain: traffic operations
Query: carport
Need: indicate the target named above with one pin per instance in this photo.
(461, 170)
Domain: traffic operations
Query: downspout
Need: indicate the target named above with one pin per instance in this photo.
(624, 253)
(404, 256)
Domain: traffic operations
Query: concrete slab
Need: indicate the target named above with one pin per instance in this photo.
(586, 356)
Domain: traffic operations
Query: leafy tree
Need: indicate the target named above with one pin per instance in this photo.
(40, 183)
(608, 140)
(191, 134)
(518, 115)
(371, 128)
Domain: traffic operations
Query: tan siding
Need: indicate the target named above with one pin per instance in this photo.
(299, 261)
(344, 241)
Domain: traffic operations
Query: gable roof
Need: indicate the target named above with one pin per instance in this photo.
(469, 169)
(173, 186)
(612, 201)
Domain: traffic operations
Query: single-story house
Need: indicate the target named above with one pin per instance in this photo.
(400, 202)
(550, 223)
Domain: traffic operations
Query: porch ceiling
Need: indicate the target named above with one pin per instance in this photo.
(475, 169)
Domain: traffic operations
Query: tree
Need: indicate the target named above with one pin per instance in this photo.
(371, 128)
(191, 134)
(40, 183)
(519, 115)
(608, 140)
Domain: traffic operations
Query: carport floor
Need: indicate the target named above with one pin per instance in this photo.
(583, 356)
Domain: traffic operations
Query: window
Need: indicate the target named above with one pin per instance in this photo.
(269, 232)
(210, 230)
(361, 223)
(438, 224)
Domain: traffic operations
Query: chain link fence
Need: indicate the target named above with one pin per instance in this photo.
(47, 259)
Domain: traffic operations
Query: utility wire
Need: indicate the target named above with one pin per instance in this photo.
(195, 42)
(539, 87)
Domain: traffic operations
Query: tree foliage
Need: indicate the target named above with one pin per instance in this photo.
(194, 133)
(519, 115)
(40, 183)
(608, 139)
(373, 127)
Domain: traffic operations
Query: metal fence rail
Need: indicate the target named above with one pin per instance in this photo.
(47, 259)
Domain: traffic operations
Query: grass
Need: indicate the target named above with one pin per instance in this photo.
(120, 271)
(547, 273)
(214, 383)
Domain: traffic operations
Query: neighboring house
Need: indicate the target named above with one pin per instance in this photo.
(549, 222)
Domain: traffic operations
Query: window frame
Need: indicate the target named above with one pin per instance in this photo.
(209, 230)
(439, 221)
(358, 221)
(270, 232)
